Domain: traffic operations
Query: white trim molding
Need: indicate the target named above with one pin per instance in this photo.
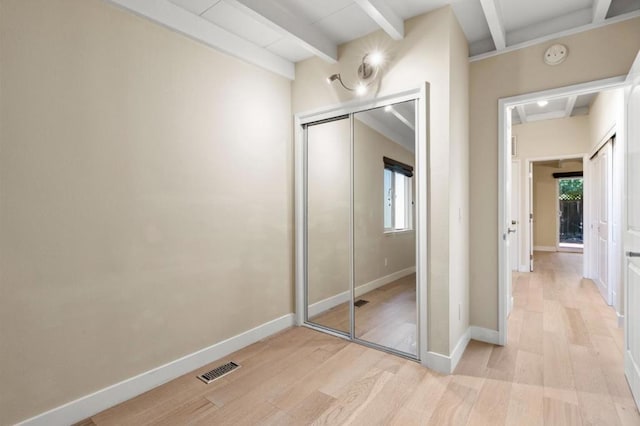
(96, 402)
(446, 364)
(486, 335)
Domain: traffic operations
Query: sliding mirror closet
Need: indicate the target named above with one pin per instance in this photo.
(358, 219)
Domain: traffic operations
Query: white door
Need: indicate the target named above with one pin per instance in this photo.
(507, 229)
(602, 206)
(515, 215)
(632, 234)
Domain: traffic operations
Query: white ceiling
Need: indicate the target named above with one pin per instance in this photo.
(570, 106)
(277, 33)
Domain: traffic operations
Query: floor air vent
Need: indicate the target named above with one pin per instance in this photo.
(360, 302)
(218, 372)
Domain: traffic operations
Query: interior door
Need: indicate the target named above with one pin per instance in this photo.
(602, 163)
(515, 215)
(632, 235)
(508, 227)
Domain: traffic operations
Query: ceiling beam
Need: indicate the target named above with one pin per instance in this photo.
(600, 9)
(400, 117)
(545, 116)
(571, 102)
(522, 113)
(272, 15)
(381, 13)
(493, 16)
(178, 19)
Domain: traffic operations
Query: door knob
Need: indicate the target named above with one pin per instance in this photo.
(633, 254)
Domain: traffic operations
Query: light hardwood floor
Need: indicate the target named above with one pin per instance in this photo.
(389, 319)
(562, 366)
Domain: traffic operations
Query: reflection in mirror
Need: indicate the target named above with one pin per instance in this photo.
(384, 231)
(328, 210)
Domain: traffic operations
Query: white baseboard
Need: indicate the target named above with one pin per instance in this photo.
(544, 248)
(523, 268)
(330, 302)
(372, 285)
(485, 335)
(447, 364)
(458, 350)
(89, 405)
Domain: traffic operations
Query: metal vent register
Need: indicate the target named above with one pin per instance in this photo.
(218, 372)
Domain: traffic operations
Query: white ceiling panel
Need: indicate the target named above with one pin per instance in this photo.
(234, 20)
(289, 49)
(619, 7)
(195, 6)
(522, 13)
(409, 8)
(313, 10)
(550, 26)
(471, 18)
(585, 100)
(347, 24)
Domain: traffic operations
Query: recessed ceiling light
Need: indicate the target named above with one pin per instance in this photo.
(361, 89)
(543, 103)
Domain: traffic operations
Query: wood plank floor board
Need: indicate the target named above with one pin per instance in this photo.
(562, 366)
(526, 405)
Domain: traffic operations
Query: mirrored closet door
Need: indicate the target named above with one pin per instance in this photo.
(359, 225)
(328, 251)
(384, 235)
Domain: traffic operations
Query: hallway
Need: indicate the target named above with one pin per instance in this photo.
(563, 362)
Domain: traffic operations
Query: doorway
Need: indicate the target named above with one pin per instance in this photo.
(508, 109)
(570, 213)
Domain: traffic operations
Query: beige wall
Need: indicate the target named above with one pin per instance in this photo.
(601, 53)
(547, 139)
(545, 201)
(424, 55)
(459, 189)
(606, 115)
(145, 199)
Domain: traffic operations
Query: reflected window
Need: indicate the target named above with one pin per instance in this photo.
(398, 198)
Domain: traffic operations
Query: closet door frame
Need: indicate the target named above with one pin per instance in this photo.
(421, 96)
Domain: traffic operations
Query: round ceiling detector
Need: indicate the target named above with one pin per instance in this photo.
(556, 54)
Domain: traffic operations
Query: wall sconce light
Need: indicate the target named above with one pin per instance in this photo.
(367, 73)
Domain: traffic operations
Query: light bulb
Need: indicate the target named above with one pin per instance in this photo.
(376, 58)
(543, 103)
(361, 89)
